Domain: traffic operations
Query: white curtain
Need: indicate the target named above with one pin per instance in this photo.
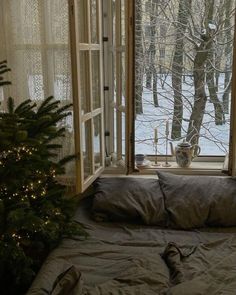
(34, 38)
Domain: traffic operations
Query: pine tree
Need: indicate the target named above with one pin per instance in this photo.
(34, 212)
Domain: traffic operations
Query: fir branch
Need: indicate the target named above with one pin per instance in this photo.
(45, 102)
(64, 108)
(10, 105)
(5, 83)
(49, 107)
(3, 62)
(67, 159)
(5, 70)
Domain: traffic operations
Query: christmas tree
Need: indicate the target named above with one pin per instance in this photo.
(34, 212)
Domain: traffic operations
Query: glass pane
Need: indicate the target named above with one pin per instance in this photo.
(96, 79)
(123, 98)
(122, 22)
(86, 138)
(97, 142)
(84, 82)
(83, 20)
(183, 84)
(94, 21)
(123, 136)
(114, 22)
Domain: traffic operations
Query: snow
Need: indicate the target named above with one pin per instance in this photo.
(214, 140)
(212, 26)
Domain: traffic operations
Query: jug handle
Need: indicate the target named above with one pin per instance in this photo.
(197, 150)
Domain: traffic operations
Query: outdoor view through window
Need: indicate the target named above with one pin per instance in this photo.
(183, 70)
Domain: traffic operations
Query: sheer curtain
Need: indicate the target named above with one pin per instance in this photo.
(34, 38)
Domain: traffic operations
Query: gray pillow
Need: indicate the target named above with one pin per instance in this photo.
(129, 199)
(196, 201)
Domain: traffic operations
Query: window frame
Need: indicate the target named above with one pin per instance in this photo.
(113, 78)
(80, 118)
(227, 168)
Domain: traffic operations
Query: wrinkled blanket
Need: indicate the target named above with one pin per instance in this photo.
(129, 259)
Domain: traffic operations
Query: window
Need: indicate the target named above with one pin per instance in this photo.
(115, 80)
(189, 82)
(87, 69)
(128, 78)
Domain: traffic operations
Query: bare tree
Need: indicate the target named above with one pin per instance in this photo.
(151, 72)
(199, 75)
(177, 66)
(139, 57)
(193, 78)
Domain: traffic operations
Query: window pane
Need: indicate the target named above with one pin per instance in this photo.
(84, 82)
(94, 21)
(83, 21)
(123, 92)
(97, 142)
(183, 71)
(123, 22)
(87, 148)
(96, 79)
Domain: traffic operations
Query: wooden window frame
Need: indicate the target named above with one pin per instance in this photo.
(113, 55)
(130, 115)
(79, 118)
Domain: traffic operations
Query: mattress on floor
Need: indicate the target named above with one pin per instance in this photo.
(124, 258)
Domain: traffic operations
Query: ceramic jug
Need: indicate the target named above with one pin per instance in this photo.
(185, 153)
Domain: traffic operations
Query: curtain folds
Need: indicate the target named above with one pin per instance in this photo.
(34, 38)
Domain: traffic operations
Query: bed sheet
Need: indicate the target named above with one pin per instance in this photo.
(121, 258)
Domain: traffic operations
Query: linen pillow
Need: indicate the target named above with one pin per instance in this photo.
(196, 201)
(129, 199)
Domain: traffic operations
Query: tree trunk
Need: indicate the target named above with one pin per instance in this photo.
(218, 107)
(155, 96)
(199, 75)
(219, 54)
(139, 58)
(151, 68)
(177, 68)
(226, 95)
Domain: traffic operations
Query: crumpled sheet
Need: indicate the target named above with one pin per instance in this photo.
(206, 269)
(125, 259)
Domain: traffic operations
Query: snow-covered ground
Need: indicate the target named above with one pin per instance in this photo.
(214, 140)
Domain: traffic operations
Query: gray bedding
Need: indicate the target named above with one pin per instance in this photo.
(123, 258)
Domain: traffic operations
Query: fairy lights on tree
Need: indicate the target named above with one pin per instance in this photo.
(34, 212)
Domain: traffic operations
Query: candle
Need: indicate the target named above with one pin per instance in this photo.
(167, 127)
(155, 135)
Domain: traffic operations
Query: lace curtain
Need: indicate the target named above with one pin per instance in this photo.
(34, 38)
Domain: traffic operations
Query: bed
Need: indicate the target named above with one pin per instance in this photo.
(172, 236)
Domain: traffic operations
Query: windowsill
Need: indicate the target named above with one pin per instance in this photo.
(214, 166)
(204, 168)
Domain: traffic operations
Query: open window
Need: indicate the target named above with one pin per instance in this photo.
(114, 31)
(87, 70)
(183, 55)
